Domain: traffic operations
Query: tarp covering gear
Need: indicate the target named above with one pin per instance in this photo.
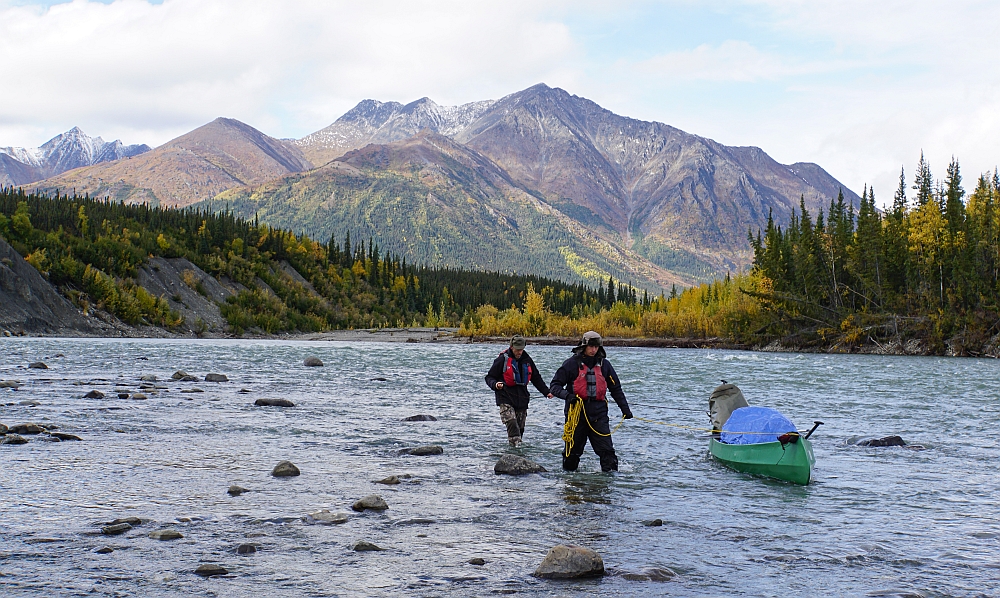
(754, 425)
(725, 399)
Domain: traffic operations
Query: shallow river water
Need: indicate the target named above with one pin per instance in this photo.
(875, 522)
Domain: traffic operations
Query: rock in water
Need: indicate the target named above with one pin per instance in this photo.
(236, 490)
(166, 534)
(477, 561)
(10, 384)
(189, 379)
(389, 481)
(285, 469)
(216, 378)
(3, 429)
(210, 570)
(246, 549)
(325, 517)
(372, 501)
(148, 378)
(115, 529)
(26, 429)
(123, 395)
(38, 365)
(64, 436)
(133, 521)
(429, 449)
(654, 574)
(178, 375)
(653, 523)
(886, 441)
(566, 561)
(273, 403)
(14, 439)
(420, 418)
(139, 397)
(94, 394)
(516, 465)
(363, 546)
(313, 362)
(105, 550)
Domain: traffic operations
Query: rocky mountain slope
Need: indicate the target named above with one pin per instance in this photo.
(72, 149)
(223, 154)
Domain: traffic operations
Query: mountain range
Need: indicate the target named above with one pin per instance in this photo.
(72, 149)
(540, 181)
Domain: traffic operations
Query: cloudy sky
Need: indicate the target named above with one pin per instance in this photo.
(859, 87)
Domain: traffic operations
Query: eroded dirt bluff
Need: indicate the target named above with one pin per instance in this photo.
(190, 291)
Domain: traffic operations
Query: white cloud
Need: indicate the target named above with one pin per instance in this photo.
(148, 72)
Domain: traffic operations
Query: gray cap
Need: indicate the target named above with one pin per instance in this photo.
(517, 342)
(591, 339)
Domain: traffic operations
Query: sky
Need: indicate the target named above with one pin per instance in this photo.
(858, 87)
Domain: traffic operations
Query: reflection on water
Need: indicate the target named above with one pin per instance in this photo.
(876, 521)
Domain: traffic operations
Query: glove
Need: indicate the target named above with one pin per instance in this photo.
(627, 415)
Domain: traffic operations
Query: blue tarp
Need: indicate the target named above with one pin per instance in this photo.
(753, 425)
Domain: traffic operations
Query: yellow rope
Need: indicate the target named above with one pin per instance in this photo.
(573, 420)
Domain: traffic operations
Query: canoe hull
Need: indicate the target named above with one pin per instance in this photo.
(792, 462)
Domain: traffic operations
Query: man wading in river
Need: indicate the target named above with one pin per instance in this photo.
(583, 382)
(508, 378)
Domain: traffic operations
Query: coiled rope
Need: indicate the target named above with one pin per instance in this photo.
(573, 420)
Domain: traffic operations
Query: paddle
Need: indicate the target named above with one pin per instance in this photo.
(816, 424)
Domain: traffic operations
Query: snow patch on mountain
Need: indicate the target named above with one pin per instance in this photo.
(66, 151)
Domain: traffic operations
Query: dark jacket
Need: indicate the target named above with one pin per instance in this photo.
(562, 382)
(515, 396)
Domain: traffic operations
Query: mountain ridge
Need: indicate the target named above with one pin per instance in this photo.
(66, 151)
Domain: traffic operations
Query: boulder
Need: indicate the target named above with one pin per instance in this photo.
(372, 501)
(13, 439)
(885, 441)
(244, 391)
(428, 449)
(653, 523)
(123, 395)
(115, 528)
(379, 379)
(479, 562)
(64, 436)
(139, 397)
(105, 550)
(166, 534)
(210, 570)
(325, 517)
(273, 403)
(133, 521)
(38, 365)
(420, 418)
(389, 481)
(178, 375)
(94, 394)
(10, 384)
(3, 429)
(189, 391)
(285, 469)
(246, 549)
(29, 403)
(652, 574)
(216, 378)
(148, 378)
(516, 465)
(313, 362)
(235, 490)
(365, 546)
(189, 379)
(566, 561)
(26, 429)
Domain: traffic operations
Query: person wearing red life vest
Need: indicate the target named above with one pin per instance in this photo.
(589, 376)
(508, 377)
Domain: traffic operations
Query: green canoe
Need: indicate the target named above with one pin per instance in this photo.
(792, 462)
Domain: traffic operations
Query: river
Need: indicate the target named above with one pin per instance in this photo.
(874, 522)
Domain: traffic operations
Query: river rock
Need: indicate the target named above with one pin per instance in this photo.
(285, 469)
(420, 418)
(13, 439)
(566, 561)
(178, 375)
(389, 481)
(273, 403)
(427, 449)
(64, 436)
(365, 546)
(115, 529)
(885, 441)
(244, 391)
(246, 549)
(3, 429)
(38, 365)
(515, 465)
(652, 574)
(479, 562)
(313, 362)
(235, 490)
(653, 523)
(10, 384)
(325, 517)
(139, 397)
(216, 378)
(191, 391)
(148, 378)
(372, 501)
(166, 534)
(133, 521)
(210, 570)
(123, 395)
(26, 429)
(379, 379)
(104, 550)
(189, 379)
(94, 394)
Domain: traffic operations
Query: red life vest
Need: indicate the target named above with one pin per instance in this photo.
(515, 373)
(590, 382)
